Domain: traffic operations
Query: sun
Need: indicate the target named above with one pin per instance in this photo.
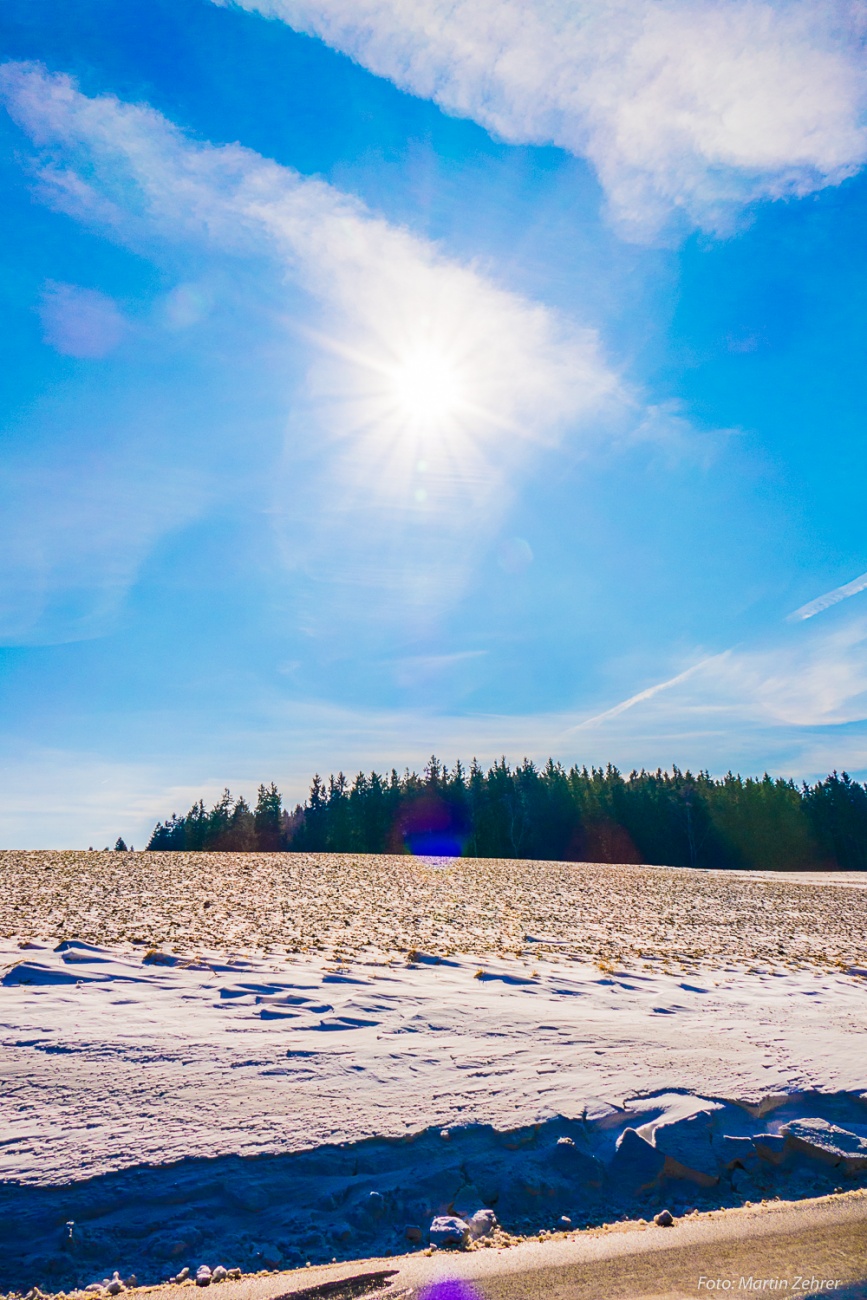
(425, 387)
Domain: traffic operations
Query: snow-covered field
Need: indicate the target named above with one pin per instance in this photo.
(351, 905)
(290, 1074)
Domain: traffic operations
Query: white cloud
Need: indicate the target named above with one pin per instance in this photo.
(428, 385)
(763, 697)
(80, 322)
(816, 682)
(691, 106)
(56, 798)
(796, 709)
(821, 603)
(648, 693)
(74, 528)
(127, 167)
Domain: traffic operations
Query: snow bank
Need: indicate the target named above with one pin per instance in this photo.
(239, 1110)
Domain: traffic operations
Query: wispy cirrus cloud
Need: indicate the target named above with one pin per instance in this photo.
(80, 322)
(797, 708)
(830, 598)
(75, 526)
(781, 695)
(649, 692)
(427, 385)
(126, 168)
(695, 107)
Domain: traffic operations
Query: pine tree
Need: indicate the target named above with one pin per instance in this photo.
(268, 818)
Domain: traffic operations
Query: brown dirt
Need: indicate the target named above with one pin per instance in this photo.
(345, 905)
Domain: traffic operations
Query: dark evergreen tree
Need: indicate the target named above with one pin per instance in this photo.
(268, 819)
(168, 836)
(837, 810)
(240, 835)
(674, 818)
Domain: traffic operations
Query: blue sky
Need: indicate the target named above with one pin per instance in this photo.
(381, 378)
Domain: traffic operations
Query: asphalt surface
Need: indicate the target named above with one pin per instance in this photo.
(799, 1249)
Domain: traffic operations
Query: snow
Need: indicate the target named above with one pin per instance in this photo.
(113, 1058)
(544, 1039)
(293, 1109)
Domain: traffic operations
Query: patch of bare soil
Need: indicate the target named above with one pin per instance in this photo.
(348, 905)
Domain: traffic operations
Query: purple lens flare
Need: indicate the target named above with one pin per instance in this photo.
(450, 1289)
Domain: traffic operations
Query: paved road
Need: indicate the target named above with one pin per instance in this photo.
(799, 1250)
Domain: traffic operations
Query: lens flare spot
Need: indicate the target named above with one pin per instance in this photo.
(514, 555)
(450, 1289)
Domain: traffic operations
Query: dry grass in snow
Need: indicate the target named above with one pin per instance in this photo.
(346, 905)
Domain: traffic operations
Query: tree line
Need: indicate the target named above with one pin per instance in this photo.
(578, 814)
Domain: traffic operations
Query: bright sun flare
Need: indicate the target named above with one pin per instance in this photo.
(426, 387)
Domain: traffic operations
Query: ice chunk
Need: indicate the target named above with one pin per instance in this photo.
(448, 1230)
(482, 1224)
(686, 1143)
(828, 1142)
(636, 1164)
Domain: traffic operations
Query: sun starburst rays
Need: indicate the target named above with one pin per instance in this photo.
(425, 380)
(426, 388)
(408, 418)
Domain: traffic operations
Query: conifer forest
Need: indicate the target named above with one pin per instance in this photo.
(672, 818)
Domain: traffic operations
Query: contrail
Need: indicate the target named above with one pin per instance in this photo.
(830, 598)
(646, 694)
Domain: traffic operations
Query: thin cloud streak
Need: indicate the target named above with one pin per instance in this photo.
(694, 109)
(74, 529)
(812, 680)
(796, 707)
(647, 694)
(80, 322)
(90, 798)
(383, 304)
(821, 603)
